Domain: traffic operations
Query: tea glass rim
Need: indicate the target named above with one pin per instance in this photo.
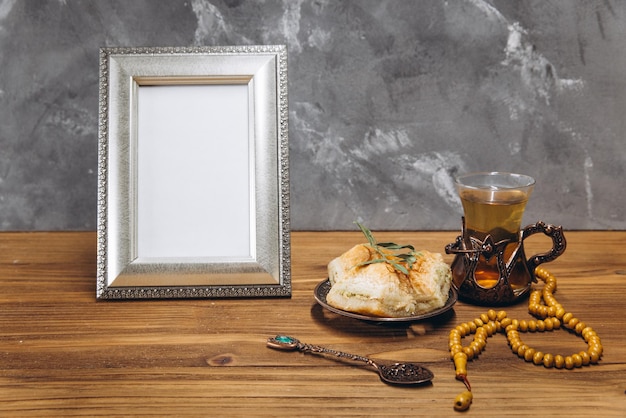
(528, 183)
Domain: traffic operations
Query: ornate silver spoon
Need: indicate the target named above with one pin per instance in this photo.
(394, 373)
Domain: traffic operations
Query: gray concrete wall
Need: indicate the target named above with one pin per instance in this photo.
(388, 99)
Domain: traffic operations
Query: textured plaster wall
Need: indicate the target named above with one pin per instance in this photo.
(388, 100)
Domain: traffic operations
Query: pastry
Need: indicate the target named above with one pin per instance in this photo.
(361, 282)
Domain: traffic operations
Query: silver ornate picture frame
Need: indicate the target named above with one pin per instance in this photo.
(193, 173)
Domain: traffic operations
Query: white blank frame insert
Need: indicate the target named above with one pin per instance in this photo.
(174, 150)
(193, 187)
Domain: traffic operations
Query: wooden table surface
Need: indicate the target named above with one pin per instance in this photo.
(63, 353)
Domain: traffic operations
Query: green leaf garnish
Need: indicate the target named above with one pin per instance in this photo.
(367, 233)
(394, 246)
(402, 262)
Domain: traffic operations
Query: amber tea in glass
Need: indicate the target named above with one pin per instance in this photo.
(491, 266)
(495, 212)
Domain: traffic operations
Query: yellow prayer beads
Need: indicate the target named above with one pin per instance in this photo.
(551, 316)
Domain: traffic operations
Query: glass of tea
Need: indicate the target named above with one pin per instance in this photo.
(490, 267)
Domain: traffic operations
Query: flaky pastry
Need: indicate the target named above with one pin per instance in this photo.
(380, 290)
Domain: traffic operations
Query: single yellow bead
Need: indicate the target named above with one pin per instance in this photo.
(515, 345)
(463, 329)
(523, 325)
(538, 357)
(541, 325)
(559, 361)
(498, 326)
(501, 315)
(571, 324)
(454, 333)
(560, 312)
(479, 322)
(566, 317)
(548, 360)
(522, 349)
(595, 348)
(472, 327)
(484, 317)
(492, 315)
(577, 359)
(548, 324)
(532, 326)
(463, 401)
(505, 322)
(594, 354)
(579, 327)
(569, 362)
(585, 357)
(587, 330)
(529, 354)
(476, 347)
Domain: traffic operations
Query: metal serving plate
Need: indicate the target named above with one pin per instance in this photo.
(321, 290)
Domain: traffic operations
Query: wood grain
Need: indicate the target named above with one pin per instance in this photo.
(62, 353)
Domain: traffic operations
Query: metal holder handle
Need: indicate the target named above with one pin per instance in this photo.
(558, 243)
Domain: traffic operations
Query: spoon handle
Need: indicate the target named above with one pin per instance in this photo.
(283, 342)
(309, 348)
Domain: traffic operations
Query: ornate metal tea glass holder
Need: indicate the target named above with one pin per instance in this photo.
(473, 254)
